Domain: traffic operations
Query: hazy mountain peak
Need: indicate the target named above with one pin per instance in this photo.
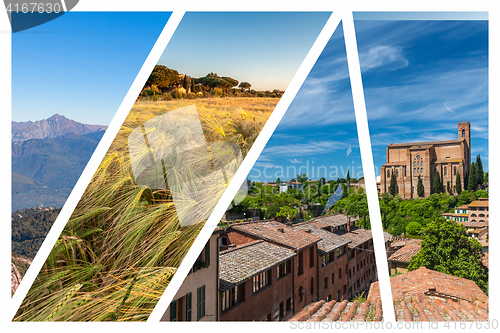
(53, 127)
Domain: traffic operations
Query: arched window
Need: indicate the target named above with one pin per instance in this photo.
(454, 171)
(414, 170)
(463, 133)
(388, 173)
(397, 173)
(445, 171)
(414, 163)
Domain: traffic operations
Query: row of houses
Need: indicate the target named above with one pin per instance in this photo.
(475, 218)
(268, 271)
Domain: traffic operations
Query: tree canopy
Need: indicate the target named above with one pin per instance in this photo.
(214, 81)
(162, 77)
(446, 248)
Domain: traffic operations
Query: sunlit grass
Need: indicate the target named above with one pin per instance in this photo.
(124, 242)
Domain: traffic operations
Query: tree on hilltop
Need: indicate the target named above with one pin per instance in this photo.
(162, 77)
(244, 85)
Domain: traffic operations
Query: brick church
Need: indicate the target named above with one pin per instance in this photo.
(410, 160)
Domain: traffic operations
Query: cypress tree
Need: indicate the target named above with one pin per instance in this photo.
(420, 187)
(185, 84)
(348, 178)
(466, 180)
(392, 187)
(458, 184)
(479, 171)
(192, 84)
(438, 186)
(472, 182)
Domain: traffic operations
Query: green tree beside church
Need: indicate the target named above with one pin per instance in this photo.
(420, 187)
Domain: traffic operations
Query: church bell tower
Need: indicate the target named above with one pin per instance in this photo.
(464, 133)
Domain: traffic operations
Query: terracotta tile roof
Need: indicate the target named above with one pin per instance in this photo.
(357, 237)
(318, 224)
(473, 224)
(243, 262)
(427, 295)
(479, 203)
(476, 231)
(339, 311)
(431, 282)
(279, 233)
(426, 143)
(329, 241)
(462, 207)
(398, 243)
(455, 214)
(405, 253)
(395, 163)
(420, 147)
(335, 220)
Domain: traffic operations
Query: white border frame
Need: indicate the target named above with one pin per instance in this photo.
(197, 5)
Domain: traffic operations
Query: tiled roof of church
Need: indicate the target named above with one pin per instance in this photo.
(409, 144)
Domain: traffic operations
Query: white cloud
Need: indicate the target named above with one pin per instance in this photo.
(389, 57)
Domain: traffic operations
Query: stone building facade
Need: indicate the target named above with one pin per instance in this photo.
(408, 161)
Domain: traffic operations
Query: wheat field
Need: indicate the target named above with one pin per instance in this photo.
(123, 242)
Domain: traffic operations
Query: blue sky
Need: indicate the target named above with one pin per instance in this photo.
(264, 49)
(81, 64)
(420, 79)
(317, 134)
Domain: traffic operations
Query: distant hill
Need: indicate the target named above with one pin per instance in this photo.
(29, 228)
(27, 192)
(52, 127)
(44, 170)
(54, 162)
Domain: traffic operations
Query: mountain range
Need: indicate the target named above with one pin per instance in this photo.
(48, 157)
(52, 127)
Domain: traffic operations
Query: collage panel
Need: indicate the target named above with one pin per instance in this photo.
(59, 116)
(298, 247)
(175, 154)
(425, 80)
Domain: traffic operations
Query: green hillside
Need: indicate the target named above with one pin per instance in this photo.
(29, 228)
